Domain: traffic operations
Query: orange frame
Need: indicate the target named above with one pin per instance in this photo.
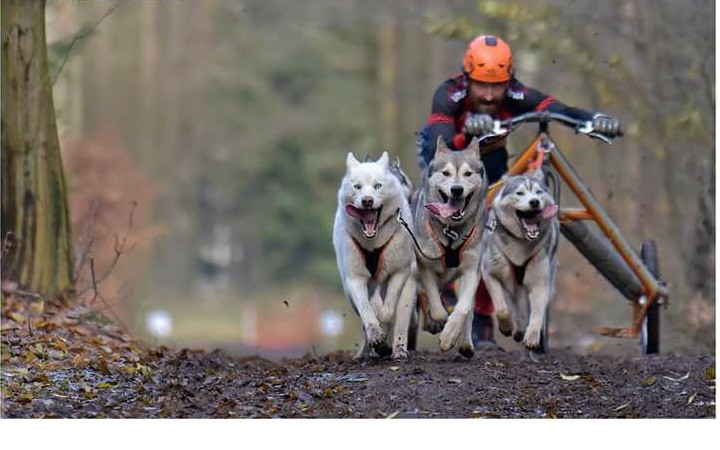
(594, 212)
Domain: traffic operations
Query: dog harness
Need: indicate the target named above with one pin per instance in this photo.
(493, 225)
(451, 257)
(372, 258)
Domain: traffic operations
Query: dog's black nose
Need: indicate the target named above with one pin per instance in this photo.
(456, 191)
(367, 201)
(535, 203)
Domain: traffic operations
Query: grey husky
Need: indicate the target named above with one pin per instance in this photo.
(448, 214)
(375, 256)
(520, 255)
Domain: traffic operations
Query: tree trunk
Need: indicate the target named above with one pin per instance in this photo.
(389, 110)
(34, 193)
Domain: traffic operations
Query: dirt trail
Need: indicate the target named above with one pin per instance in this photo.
(74, 363)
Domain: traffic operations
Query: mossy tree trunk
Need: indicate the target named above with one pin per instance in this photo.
(34, 192)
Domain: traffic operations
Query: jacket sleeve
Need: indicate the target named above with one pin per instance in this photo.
(527, 99)
(443, 115)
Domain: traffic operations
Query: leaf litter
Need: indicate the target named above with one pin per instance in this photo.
(64, 360)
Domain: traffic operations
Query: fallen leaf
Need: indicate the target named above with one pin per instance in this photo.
(623, 406)
(101, 366)
(710, 373)
(692, 398)
(37, 306)
(685, 377)
(17, 317)
(394, 368)
(649, 381)
(103, 385)
(393, 415)
(569, 377)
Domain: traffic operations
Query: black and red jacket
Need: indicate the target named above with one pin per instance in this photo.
(451, 104)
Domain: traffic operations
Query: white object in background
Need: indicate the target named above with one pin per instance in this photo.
(249, 324)
(159, 323)
(331, 323)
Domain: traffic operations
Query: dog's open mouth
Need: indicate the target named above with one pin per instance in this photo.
(454, 208)
(530, 220)
(368, 218)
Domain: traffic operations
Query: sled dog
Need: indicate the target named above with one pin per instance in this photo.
(375, 255)
(448, 211)
(520, 254)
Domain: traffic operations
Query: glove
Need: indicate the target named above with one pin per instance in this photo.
(607, 125)
(478, 124)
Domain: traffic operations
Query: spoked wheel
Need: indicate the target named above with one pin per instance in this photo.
(650, 333)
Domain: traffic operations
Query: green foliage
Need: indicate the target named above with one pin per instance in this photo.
(295, 229)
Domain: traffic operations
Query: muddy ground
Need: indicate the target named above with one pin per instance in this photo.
(72, 362)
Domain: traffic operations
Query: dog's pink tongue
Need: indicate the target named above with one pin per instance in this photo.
(366, 215)
(443, 210)
(549, 211)
(369, 228)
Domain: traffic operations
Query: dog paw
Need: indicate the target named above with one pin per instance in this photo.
(467, 351)
(374, 334)
(400, 353)
(382, 349)
(432, 326)
(518, 335)
(505, 325)
(450, 333)
(532, 339)
(440, 316)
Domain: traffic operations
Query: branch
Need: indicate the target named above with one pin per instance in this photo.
(82, 35)
(120, 249)
(86, 237)
(109, 308)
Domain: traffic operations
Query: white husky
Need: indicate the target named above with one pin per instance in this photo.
(375, 255)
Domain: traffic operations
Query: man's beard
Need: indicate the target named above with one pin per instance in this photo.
(485, 108)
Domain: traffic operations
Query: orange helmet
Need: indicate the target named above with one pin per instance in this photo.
(489, 59)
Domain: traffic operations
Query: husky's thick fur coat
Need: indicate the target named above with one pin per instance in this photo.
(520, 255)
(448, 212)
(375, 255)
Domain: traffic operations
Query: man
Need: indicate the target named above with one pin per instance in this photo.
(466, 105)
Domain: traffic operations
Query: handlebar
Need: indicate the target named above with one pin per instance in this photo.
(501, 127)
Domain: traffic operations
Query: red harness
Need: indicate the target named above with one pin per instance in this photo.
(451, 257)
(372, 259)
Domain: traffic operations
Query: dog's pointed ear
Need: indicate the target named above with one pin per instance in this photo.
(384, 159)
(474, 147)
(351, 161)
(441, 146)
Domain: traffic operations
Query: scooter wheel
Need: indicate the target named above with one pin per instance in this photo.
(650, 333)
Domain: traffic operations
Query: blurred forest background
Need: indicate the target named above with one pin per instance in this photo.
(205, 141)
